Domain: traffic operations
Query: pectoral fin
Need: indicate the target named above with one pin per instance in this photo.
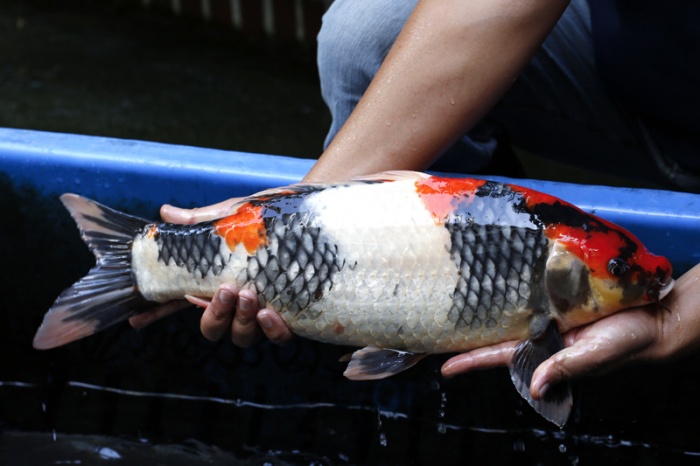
(545, 340)
(371, 363)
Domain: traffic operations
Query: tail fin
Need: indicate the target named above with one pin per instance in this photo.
(107, 294)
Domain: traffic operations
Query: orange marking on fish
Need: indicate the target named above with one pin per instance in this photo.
(245, 227)
(152, 231)
(339, 328)
(441, 196)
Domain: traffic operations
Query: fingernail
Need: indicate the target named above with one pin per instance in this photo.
(138, 326)
(166, 210)
(447, 371)
(244, 304)
(226, 297)
(265, 321)
(543, 390)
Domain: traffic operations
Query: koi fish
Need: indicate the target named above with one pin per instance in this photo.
(400, 264)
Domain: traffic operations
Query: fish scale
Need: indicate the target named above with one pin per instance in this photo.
(398, 264)
(295, 268)
(196, 249)
(495, 277)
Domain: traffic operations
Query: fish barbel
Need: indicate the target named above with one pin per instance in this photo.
(401, 264)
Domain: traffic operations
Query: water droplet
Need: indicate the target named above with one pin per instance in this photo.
(562, 448)
(382, 434)
(382, 439)
(108, 454)
(435, 385)
(519, 446)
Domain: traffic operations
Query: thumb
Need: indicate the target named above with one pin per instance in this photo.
(200, 214)
(584, 357)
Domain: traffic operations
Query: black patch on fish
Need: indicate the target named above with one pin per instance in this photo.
(497, 190)
(195, 247)
(297, 266)
(565, 214)
(498, 267)
(556, 213)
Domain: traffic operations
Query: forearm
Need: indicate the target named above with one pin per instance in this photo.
(451, 63)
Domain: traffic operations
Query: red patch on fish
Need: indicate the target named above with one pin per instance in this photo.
(245, 227)
(442, 196)
(594, 240)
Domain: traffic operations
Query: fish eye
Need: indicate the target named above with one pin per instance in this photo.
(618, 267)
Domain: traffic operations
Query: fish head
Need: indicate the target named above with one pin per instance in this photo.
(595, 271)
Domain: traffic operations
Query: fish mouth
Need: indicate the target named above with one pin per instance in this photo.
(665, 289)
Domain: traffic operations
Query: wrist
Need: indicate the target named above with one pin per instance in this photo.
(678, 317)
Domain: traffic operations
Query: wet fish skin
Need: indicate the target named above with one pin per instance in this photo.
(402, 264)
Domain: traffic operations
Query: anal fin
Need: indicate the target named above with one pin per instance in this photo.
(555, 406)
(372, 363)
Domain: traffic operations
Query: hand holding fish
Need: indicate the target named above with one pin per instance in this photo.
(646, 334)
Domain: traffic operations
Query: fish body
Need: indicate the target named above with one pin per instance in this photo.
(400, 264)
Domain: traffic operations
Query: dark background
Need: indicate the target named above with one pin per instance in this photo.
(109, 69)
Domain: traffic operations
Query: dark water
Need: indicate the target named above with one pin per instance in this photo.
(111, 68)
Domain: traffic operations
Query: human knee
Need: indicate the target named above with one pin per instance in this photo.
(357, 34)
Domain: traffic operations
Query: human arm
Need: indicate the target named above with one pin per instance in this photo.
(660, 332)
(451, 63)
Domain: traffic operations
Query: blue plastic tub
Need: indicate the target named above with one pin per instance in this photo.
(167, 384)
(146, 174)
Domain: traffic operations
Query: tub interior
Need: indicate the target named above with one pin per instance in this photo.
(127, 396)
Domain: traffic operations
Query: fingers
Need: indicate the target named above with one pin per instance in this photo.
(274, 327)
(565, 365)
(589, 355)
(244, 329)
(219, 313)
(481, 358)
(239, 311)
(201, 214)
